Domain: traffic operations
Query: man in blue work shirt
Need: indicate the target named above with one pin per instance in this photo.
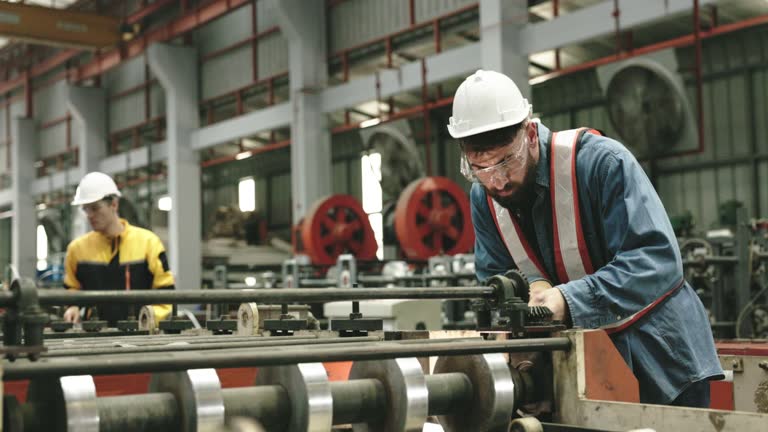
(574, 210)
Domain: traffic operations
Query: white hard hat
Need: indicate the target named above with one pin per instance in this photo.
(485, 101)
(94, 187)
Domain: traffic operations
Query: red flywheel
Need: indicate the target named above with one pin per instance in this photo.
(432, 217)
(336, 225)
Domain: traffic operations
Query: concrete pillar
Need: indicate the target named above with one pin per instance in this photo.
(501, 22)
(303, 23)
(88, 106)
(176, 69)
(24, 224)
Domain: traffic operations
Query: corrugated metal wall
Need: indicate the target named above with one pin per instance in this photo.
(234, 69)
(231, 70)
(273, 55)
(50, 103)
(127, 110)
(425, 10)
(353, 22)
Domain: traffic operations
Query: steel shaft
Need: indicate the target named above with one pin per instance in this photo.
(253, 343)
(289, 295)
(174, 361)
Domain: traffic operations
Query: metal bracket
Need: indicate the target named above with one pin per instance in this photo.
(24, 321)
(736, 364)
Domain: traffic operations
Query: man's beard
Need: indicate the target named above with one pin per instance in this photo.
(523, 196)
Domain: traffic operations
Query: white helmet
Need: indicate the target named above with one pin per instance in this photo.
(485, 101)
(93, 187)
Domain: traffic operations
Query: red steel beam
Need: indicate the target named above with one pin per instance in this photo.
(178, 27)
(406, 113)
(185, 23)
(267, 148)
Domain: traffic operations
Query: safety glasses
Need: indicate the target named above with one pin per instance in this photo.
(498, 175)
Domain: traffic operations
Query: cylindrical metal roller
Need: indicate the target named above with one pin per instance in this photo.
(493, 393)
(388, 395)
(406, 393)
(147, 320)
(153, 411)
(357, 400)
(448, 393)
(80, 403)
(248, 319)
(269, 404)
(311, 404)
(198, 394)
(70, 403)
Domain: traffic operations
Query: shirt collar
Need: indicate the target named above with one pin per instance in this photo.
(542, 169)
(126, 228)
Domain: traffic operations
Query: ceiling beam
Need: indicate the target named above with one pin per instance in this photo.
(51, 26)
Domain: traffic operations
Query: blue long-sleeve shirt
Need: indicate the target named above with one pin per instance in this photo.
(634, 251)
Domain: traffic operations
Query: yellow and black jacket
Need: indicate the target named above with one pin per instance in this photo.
(134, 260)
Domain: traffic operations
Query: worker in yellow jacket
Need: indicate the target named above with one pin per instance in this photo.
(115, 255)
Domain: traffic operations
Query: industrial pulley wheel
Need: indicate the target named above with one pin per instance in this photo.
(336, 225)
(432, 218)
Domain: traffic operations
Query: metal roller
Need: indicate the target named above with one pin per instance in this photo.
(198, 393)
(248, 319)
(493, 393)
(70, 402)
(406, 394)
(309, 392)
(147, 320)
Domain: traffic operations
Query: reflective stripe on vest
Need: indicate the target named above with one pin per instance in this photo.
(571, 255)
(513, 237)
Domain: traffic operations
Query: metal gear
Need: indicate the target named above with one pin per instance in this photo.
(538, 315)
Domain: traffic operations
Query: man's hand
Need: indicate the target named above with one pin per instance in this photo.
(554, 300)
(537, 287)
(72, 314)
